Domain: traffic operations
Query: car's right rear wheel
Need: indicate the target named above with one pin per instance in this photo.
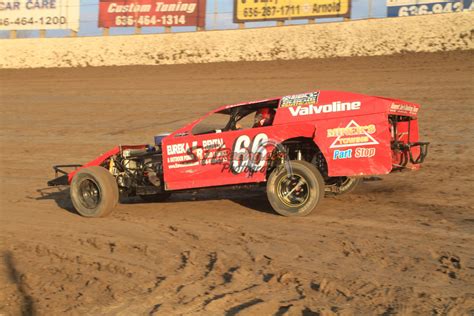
(296, 191)
(348, 185)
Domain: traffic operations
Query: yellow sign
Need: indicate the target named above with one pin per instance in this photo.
(267, 10)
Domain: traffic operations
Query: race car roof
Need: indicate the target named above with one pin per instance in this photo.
(378, 104)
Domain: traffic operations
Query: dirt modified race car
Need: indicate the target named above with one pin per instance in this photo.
(301, 146)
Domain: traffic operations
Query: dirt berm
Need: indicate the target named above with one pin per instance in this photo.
(439, 32)
(403, 245)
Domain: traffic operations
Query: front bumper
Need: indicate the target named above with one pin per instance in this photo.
(63, 179)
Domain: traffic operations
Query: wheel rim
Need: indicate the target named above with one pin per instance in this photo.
(293, 190)
(89, 194)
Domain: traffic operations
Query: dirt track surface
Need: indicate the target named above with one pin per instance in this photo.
(404, 245)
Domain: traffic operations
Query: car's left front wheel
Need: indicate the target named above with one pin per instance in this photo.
(94, 192)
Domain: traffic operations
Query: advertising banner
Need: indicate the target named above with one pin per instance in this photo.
(39, 14)
(268, 10)
(422, 7)
(125, 13)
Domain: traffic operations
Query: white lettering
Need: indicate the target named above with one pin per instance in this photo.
(117, 8)
(175, 7)
(326, 108)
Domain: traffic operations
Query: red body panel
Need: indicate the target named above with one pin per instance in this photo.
(183, 170)
(352, 131)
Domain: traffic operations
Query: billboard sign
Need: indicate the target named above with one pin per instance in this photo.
(39, 15)
(125, 13)
(423, 7)
(277, 10)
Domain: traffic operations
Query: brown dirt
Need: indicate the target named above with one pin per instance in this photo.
(404, 245)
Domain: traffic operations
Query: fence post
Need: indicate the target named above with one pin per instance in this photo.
(347, 19)
(311, 21)
(138, 29)
(280, 23)
(42, 33)
(216, 9)
(370, 9)
(200, 28)
(241, 26)
(105, 31)
(73, 33)
(13, 34)
(167, 29)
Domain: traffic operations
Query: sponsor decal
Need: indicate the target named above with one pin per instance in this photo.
(336, 106)
(303, 99)
(360, 152)
(124, 13)
(404, 108)
(342, 154)
(352, 135)
(426, 7)
(249, 155)
(364, 152)
(184, 155)
(351, 130)
(271, 10)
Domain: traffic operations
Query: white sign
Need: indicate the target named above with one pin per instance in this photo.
(39, 14)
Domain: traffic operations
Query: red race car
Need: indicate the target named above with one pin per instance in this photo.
(301, 145)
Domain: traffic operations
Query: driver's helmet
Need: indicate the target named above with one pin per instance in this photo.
(263, 117)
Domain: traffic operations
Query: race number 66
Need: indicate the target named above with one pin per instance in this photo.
(249, 155)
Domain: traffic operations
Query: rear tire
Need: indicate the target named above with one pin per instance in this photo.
(94, 192)
(297, 194)
(348, 185)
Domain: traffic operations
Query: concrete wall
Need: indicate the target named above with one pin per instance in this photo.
(355, 38)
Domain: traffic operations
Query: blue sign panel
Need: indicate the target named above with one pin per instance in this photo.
(423, 7)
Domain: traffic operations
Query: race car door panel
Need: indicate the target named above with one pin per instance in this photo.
(215, 159)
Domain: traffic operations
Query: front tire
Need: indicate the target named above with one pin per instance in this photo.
(298, 193)
(94, 192)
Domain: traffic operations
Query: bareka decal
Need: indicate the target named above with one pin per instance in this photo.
(303, 99)
(352, 135)
(337, 106)
(184, 155)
